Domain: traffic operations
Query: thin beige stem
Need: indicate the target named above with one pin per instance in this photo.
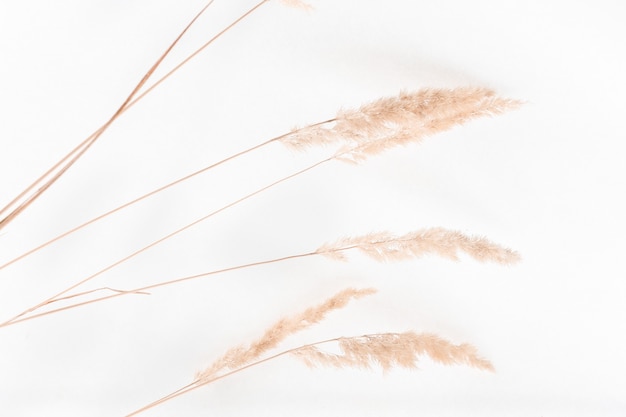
(16, 319)
(197, 51)
(128, 103)
(174, 233)
(186, 60)
(78, 151)
(143, 290)
(198, 383)
(130, 203)
(171, 395)
(149, 194)
(80, 294)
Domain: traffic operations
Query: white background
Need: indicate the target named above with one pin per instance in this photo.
(546, 180)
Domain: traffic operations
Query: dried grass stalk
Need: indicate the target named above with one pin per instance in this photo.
(241, 355)
(386, 350)
(400, 120)
(389, 350)
(384, 246)
(45, 181)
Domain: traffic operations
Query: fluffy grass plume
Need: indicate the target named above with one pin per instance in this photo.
(241, 355)
(384, 246)
(400, 120)
(389, 350)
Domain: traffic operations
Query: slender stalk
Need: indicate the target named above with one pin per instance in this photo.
(143, 290)
(197, 51)
(77, 152)
(149, 194)
(156, 242)
(198, 383)
(80, 294)
(66, 162)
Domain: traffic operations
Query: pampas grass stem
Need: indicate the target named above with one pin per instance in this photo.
(387, 350)
(154, 243)
(143, 197)
(382, 246)
(57, 170)
(404, 351)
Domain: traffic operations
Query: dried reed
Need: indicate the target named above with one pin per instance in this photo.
(382, 246)
(21, 202)
(24, 199)
(387, 350)
(241, 355)
(396, 121)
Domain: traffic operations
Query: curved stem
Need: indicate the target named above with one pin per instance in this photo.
(150, 194)
(16, 319)
(196, 52)
(79, 150)
(199, 383)
(142, 290)
(156, 242)
(130, 101)
(130, 203)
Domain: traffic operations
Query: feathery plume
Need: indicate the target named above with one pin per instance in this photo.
(400, 120)
(389, 350)
(241, 355)
(384, 246)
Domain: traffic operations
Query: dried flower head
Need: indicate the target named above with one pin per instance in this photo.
(384, 246)
(241, 355)
(389, 350)
(400, 120)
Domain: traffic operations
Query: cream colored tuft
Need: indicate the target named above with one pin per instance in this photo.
(242, 355)
(397, 121)
(384, 246)
(389, 350)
